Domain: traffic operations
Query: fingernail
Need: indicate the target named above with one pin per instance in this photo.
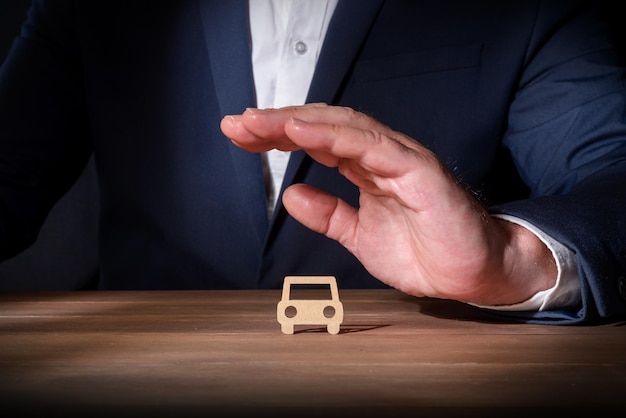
(297, 123)
(254, 110)
(229, 119)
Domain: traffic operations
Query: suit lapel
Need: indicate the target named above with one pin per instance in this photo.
(227, 38)
(346, 32)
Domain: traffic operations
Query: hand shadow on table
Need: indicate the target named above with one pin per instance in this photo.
(451, 309)
(459, 311)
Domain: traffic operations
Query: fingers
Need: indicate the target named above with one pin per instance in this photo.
(331, 135)
(322, 213)
(268, 123)
(371, 155)
(376, 163)
(263, 129)
(258, 130)
(333, 144)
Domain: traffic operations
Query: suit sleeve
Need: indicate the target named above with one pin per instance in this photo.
(44, 139)
(567, 133)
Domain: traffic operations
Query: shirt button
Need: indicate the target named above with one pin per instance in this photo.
(300, 48)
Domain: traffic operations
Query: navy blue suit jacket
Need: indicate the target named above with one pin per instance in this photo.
(520, 99)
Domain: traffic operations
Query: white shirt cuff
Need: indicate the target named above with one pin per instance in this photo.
(565, 293)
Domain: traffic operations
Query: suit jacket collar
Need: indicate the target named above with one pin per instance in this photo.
(346, 33)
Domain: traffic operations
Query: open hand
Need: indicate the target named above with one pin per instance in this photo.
(415, 229)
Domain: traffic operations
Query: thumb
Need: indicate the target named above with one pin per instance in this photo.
(323, 213)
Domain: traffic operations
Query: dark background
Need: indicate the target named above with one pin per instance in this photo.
(65, 255)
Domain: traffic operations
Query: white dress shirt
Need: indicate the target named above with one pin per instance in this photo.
(287, 37)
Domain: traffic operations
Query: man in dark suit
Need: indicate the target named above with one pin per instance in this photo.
(521, 101)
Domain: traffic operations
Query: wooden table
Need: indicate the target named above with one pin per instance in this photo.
(221, 353)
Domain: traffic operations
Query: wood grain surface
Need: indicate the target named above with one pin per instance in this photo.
(222, 353)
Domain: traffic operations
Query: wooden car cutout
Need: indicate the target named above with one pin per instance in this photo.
(328, 312)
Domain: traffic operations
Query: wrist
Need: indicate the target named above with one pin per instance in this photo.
(527, 267)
